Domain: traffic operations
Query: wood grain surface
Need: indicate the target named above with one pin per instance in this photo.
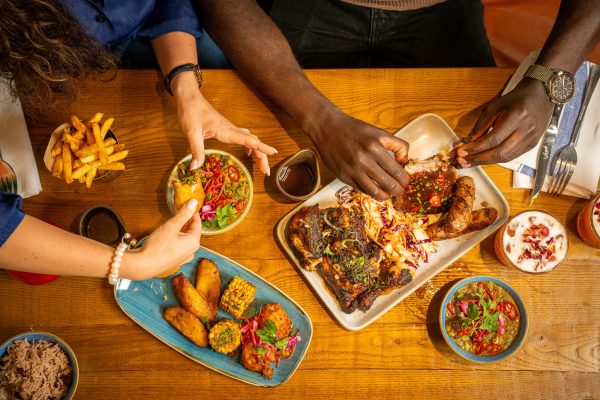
(401, 355)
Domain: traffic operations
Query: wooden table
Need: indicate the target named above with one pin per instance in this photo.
(402, 355)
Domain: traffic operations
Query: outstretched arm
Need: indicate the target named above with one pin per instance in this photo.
(354, 150)
(199, 120)
(524, 113)
(36, 246)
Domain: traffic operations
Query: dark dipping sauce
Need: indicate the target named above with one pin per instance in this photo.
(103, 227)
(298, 179)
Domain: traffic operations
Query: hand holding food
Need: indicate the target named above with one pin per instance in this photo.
(170, 245)
(509, 126)
(357, 153)
(200, 121)
(82, 151)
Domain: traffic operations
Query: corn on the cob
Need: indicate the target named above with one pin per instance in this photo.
(237, 297)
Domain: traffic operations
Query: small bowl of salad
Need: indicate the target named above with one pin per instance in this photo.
(483, 319)
(222, 184)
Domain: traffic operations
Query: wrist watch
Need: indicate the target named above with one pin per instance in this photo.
(559, 84)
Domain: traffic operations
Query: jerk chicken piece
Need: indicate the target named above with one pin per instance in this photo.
(305, 236)
(430, 187)
(391, 276)
(351, 261)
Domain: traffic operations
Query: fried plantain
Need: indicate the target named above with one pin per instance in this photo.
(191, 300)
(187, 324)
(208, 281)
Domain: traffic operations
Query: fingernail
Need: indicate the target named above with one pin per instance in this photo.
(194, 164)
(192, 204)
(268, 171)
(273, 151)
(248, 152)
(462, 153)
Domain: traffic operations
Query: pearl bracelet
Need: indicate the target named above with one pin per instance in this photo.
(115, 265)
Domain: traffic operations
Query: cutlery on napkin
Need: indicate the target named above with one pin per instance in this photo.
(584, 182)
(15, 144)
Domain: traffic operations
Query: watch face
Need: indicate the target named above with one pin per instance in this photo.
(562, 86)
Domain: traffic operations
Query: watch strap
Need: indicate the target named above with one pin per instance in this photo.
(539, 72)
(179, 69)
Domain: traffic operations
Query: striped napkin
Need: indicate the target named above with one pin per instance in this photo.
(15, 144)
(584, 182)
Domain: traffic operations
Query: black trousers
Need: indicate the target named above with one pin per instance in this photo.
(332, 34)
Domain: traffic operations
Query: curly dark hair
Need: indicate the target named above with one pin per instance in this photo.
(44, 51)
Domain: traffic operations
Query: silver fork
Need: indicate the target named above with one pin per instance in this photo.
(567, 158)
(8, 178)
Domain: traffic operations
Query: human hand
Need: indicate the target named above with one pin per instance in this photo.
(200, 121)
(509, 126)
(170, 245)
(357, 153)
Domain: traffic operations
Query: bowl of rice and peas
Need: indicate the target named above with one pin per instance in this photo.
(37, 366)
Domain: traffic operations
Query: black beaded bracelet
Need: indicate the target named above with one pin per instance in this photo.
(182, 68)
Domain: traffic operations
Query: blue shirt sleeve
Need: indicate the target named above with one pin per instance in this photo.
(172, 16)
(10, 215)
(115, 22)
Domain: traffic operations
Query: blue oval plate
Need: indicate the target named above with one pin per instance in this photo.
(485, 359)
(143, 302)
(31, 336)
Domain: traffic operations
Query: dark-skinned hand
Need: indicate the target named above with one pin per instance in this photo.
(509, 126)
(357, 153)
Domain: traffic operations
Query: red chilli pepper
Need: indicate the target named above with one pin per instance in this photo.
(479, 347)
(493, 348)
(214, 165)
(233, 173)
(435, 200)
(487, 290)
(509, 309)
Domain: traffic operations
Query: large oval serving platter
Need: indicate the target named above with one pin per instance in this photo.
(144, 301)
(427, 135)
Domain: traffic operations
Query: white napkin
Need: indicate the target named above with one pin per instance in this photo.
(584, 182)
(15, 144)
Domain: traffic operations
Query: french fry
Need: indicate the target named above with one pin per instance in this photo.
(89, 177)
(94, 157)
(81, 171)
(76, 164)
(73, 143)
(77, 124)
(116, 166)
(105, 127)
(100, 142)
(119, 147)
(67, 163)
(118, 156)
(82, 179)
(57, 166)
(91, 149)
(89, 138)
(96, 118)
(57, 148)
(78, 136)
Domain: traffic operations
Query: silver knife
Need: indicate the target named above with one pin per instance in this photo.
(544, 157)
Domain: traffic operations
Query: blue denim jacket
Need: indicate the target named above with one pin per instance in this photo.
(113, 22)
(10, 215)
